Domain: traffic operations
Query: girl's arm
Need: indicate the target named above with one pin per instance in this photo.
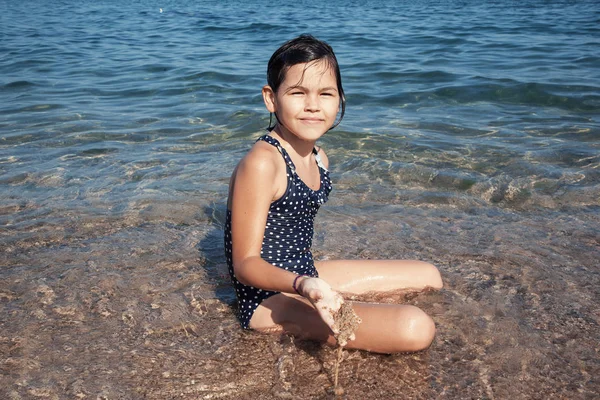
(255, 186)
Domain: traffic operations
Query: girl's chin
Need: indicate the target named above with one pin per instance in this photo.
(309, 134)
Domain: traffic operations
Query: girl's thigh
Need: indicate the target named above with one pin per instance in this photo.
(385, 328)
(361, 276)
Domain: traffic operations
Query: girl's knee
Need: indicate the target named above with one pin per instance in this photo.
(432, 275)
(417, 330)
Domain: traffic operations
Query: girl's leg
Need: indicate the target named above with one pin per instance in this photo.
(362, 276)
(385, 328)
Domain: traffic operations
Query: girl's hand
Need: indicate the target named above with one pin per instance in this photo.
(323, 298)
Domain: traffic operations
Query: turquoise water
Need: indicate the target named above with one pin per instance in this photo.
(481, 96)
(471, 139)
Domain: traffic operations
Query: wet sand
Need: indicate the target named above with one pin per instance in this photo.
(137, 305)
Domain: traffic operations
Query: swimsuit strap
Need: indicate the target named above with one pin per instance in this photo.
(318, 158)
(288, 160)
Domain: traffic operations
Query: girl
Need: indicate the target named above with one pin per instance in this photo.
(275, 192)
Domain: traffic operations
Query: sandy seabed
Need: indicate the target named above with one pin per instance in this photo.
(138, 306)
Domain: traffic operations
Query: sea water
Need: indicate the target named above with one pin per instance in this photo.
(471, 140)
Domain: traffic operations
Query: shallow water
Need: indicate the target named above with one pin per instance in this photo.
(471, 140)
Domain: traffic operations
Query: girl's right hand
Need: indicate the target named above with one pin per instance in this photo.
(325, 300)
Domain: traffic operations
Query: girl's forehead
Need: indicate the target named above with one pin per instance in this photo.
(319, 71)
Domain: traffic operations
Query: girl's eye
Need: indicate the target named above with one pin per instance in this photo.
(326, 94)
(296, 93)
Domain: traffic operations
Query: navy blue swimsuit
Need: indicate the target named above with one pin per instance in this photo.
(288, 234)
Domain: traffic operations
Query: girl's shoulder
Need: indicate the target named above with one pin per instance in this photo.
(262, 159)
(262, 169)
(263, 153)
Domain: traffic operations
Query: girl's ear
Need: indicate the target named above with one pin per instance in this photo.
(269, 98)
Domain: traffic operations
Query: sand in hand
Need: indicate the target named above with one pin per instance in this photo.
(346, 323)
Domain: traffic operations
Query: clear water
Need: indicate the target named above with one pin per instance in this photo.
(471, 140)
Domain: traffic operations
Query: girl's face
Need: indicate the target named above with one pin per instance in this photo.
(307, 101)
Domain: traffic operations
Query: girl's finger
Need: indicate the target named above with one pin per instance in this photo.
(315, 295)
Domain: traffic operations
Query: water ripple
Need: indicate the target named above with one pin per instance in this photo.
(512, 82)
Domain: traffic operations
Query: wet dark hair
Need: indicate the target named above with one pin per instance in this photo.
(303, 49)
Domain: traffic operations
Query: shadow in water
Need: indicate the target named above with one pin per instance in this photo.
(212, 252)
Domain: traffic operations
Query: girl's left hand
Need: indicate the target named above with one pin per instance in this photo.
(325, 300)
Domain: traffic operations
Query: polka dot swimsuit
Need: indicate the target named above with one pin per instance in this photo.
(288, 234)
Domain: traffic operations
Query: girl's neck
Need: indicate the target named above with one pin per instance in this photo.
(303, 148)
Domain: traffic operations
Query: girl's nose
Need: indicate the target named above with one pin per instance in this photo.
(312, 103)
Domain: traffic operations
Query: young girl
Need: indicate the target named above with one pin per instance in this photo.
(274, 195)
